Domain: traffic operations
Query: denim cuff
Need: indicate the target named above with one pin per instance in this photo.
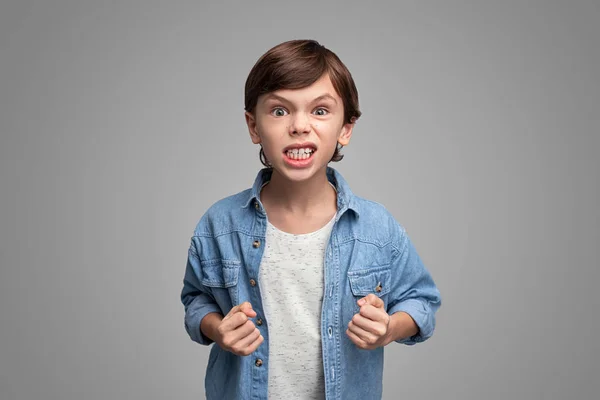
(419, 312)
(194, 318)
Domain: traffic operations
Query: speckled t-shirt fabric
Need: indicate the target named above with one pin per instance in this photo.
(291, 285)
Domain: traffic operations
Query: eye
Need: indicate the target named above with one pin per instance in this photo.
(278, 112)
(321, 111)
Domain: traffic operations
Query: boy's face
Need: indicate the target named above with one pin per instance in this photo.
(299, 129)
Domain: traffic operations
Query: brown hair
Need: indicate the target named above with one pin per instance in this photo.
(296, 64)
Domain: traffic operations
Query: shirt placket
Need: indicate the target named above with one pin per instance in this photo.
(330, 318)
(259, 359)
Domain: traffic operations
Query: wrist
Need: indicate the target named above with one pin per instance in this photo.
(401, 326)
(209, 325)
(390, 330)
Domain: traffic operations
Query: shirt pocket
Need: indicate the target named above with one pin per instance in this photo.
(221, 277)
(373, 280)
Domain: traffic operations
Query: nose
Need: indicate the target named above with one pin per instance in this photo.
(300, 125)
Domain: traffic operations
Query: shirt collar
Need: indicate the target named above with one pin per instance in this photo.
(345, 198)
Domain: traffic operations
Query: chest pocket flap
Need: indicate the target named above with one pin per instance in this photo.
(220, 273)
(376, 280)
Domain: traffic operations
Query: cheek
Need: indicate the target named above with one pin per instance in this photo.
(329, 135)
(272, 129)
(272, 140)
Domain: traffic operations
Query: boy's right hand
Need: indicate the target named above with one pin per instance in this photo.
(237, 333)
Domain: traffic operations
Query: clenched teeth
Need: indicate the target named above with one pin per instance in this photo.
(299, 154)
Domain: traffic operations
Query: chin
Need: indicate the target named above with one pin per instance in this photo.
(298, 174)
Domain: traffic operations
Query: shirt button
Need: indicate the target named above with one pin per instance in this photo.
(256, 244)
(259, 322)
(252, 282)
(256, 205)
(378, 287)
(258, 362)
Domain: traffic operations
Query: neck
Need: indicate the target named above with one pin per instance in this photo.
(300, 198)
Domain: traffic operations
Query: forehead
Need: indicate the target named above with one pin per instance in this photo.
(322, 86)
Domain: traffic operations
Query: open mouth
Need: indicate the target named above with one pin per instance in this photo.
(300, 154)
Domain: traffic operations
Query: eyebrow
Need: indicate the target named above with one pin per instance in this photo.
(325, 96)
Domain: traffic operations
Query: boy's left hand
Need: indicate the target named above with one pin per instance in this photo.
(370, 328)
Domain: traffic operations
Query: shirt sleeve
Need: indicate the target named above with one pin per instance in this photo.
(196, 298)
(413, 290)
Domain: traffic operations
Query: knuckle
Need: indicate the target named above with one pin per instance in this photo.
(231, 340)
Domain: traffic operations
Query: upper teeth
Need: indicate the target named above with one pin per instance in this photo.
(301, 151)
(300, 154)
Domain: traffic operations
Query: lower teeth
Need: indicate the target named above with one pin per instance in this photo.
(299, 157)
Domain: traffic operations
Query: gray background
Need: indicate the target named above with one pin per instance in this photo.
(121, 122)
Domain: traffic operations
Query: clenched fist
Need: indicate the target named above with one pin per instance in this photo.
(370, 328)
(237, 333)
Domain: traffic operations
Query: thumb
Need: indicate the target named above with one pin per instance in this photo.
(372, 300)
(237, 308)
(246, 308)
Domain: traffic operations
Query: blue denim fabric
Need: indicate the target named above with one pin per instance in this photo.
(367, 248)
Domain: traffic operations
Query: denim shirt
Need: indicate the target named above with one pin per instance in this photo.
(368, 252)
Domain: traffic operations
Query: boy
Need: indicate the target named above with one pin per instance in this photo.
(299, 282)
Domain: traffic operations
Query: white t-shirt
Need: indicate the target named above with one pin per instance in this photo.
(291, 285)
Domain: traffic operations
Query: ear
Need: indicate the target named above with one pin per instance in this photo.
(251, 122)
(346, 133)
